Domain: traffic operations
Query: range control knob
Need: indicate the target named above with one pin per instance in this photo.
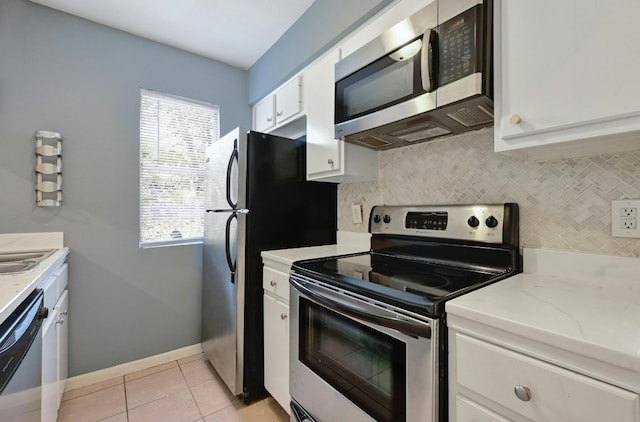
(386, 219)
(376, 219)
(491, 222)
(473, 221)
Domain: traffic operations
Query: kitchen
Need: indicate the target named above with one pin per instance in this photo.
(83, 80)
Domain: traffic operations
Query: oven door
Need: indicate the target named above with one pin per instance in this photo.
(353, 360)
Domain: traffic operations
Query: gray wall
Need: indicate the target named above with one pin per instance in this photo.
(320, 27)
(65, 74)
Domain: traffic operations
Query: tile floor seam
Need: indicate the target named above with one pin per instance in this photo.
(158, 398)
(196, 402)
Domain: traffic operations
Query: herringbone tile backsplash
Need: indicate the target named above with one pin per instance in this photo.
(564, 204)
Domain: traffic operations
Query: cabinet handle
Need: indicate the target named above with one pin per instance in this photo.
(60, 321)
(279, 113)
(330, 162)
(272, 283)
(283, 316)
(65, 312)
(269, 119)
(515, 119)
(522, 392)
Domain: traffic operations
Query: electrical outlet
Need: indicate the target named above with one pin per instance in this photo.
(624, 218)
(356, 213)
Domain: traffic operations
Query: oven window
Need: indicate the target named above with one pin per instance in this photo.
(365, 365)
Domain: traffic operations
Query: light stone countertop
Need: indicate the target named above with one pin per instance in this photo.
(14, 288)
(583, 303)
(348, 243)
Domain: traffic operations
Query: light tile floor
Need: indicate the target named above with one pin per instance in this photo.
(186, 390)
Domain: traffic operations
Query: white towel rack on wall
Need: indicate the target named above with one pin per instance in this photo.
(48, 169)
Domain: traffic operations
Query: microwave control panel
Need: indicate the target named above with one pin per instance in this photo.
(458, 46)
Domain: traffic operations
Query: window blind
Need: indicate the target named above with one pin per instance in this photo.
(174, 133)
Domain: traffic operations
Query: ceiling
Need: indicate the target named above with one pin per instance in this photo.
(236, 32)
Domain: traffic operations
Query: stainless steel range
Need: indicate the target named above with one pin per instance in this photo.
(368, 338)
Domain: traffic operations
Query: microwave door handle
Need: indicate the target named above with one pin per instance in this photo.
(428, 59)
(350, 308)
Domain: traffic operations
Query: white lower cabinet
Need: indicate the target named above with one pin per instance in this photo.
(490, 382)
(49, 369)
(276, 335)
(62, 337)
(54, 343)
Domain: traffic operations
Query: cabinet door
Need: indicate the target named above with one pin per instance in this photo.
(289, 100)
(276, 350)
(49, 369)
(62, 334)
(568, 71)
(324, 153)
(263, 114)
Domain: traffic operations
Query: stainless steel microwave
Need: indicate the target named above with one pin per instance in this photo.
(428, 76)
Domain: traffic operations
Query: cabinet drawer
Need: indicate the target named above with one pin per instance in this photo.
(468, 411)
(276, 282)
(554, 394)
(62, 279)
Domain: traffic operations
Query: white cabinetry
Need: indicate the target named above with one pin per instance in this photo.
(280, 108)
(54, 342)
(493, 378)
(329, 159)
(276, 335)
(264, 114)
(566, 78)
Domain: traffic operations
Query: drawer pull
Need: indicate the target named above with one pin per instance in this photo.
(272, 283)
(515, 119)
(65, 312)
(522, 392)
(283, 316)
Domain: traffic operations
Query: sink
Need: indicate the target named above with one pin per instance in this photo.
(14, 267)
(19, 261)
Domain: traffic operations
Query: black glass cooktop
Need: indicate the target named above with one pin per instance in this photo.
(418, 285)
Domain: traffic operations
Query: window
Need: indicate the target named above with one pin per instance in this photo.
(174, 133)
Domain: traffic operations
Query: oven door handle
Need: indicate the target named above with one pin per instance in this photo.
(350, 308)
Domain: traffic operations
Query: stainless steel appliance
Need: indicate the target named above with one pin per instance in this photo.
(368, 331)
(428, 76)
(21, 361)
(256, 199)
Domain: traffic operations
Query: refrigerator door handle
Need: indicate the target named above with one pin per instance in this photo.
(234, 157)
(227, 249)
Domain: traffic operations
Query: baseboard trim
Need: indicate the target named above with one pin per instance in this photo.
(126, 368)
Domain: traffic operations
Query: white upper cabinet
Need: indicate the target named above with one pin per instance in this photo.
(329, 159)
(289, 100)
(567, 77)
(275, 112)
(264, 117)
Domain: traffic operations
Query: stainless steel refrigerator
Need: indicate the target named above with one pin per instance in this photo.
(256, 199)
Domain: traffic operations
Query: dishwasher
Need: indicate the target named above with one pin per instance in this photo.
(21, 361)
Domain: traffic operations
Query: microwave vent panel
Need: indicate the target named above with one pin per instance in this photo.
(373, 142)
(472, 116)
(423, 131)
